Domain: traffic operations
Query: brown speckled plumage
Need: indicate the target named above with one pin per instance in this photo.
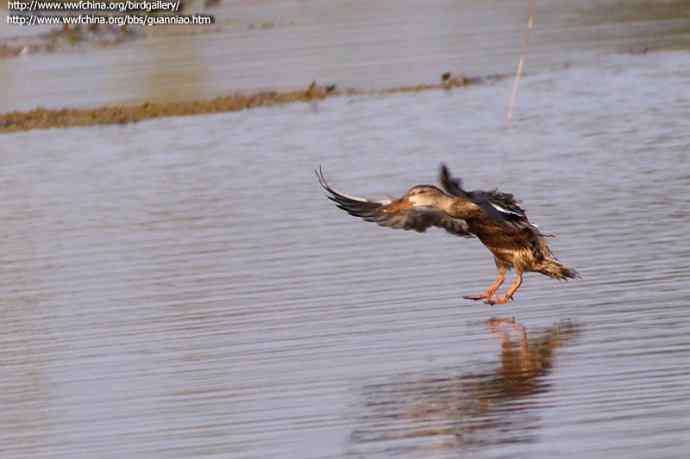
(495, 218)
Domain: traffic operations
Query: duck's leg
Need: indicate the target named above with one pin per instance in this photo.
(509, 294)
(491, 291)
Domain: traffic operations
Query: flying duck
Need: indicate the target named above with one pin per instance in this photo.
(495, 218)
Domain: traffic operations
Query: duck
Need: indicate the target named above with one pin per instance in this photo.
(495, 218)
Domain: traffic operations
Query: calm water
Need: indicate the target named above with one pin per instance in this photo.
(181, 287)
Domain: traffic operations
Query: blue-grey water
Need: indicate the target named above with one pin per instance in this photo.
(182, 288)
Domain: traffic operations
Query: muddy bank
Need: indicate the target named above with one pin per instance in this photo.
(41, 118)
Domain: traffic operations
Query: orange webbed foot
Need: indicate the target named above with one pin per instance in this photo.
(498, 300)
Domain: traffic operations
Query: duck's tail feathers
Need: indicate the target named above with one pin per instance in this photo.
(554, 268)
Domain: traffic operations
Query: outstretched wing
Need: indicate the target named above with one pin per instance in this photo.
(506, 203)
(450, 184)
(499, 207)
(398, 214)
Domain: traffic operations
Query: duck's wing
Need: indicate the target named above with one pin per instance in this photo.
(504, 209)
(397, 214)
(500, 207)
(451, 185)
(506, 203)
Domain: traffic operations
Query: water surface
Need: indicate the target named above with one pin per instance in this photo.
(182, 288)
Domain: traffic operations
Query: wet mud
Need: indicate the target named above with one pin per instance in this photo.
(41, 118)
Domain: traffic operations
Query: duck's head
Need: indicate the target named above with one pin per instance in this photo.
(426, 195)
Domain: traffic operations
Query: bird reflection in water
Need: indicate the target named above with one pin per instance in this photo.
(454, 410)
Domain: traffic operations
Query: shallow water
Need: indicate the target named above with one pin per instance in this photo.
(182, 288)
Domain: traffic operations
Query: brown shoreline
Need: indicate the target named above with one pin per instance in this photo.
(41, 118)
